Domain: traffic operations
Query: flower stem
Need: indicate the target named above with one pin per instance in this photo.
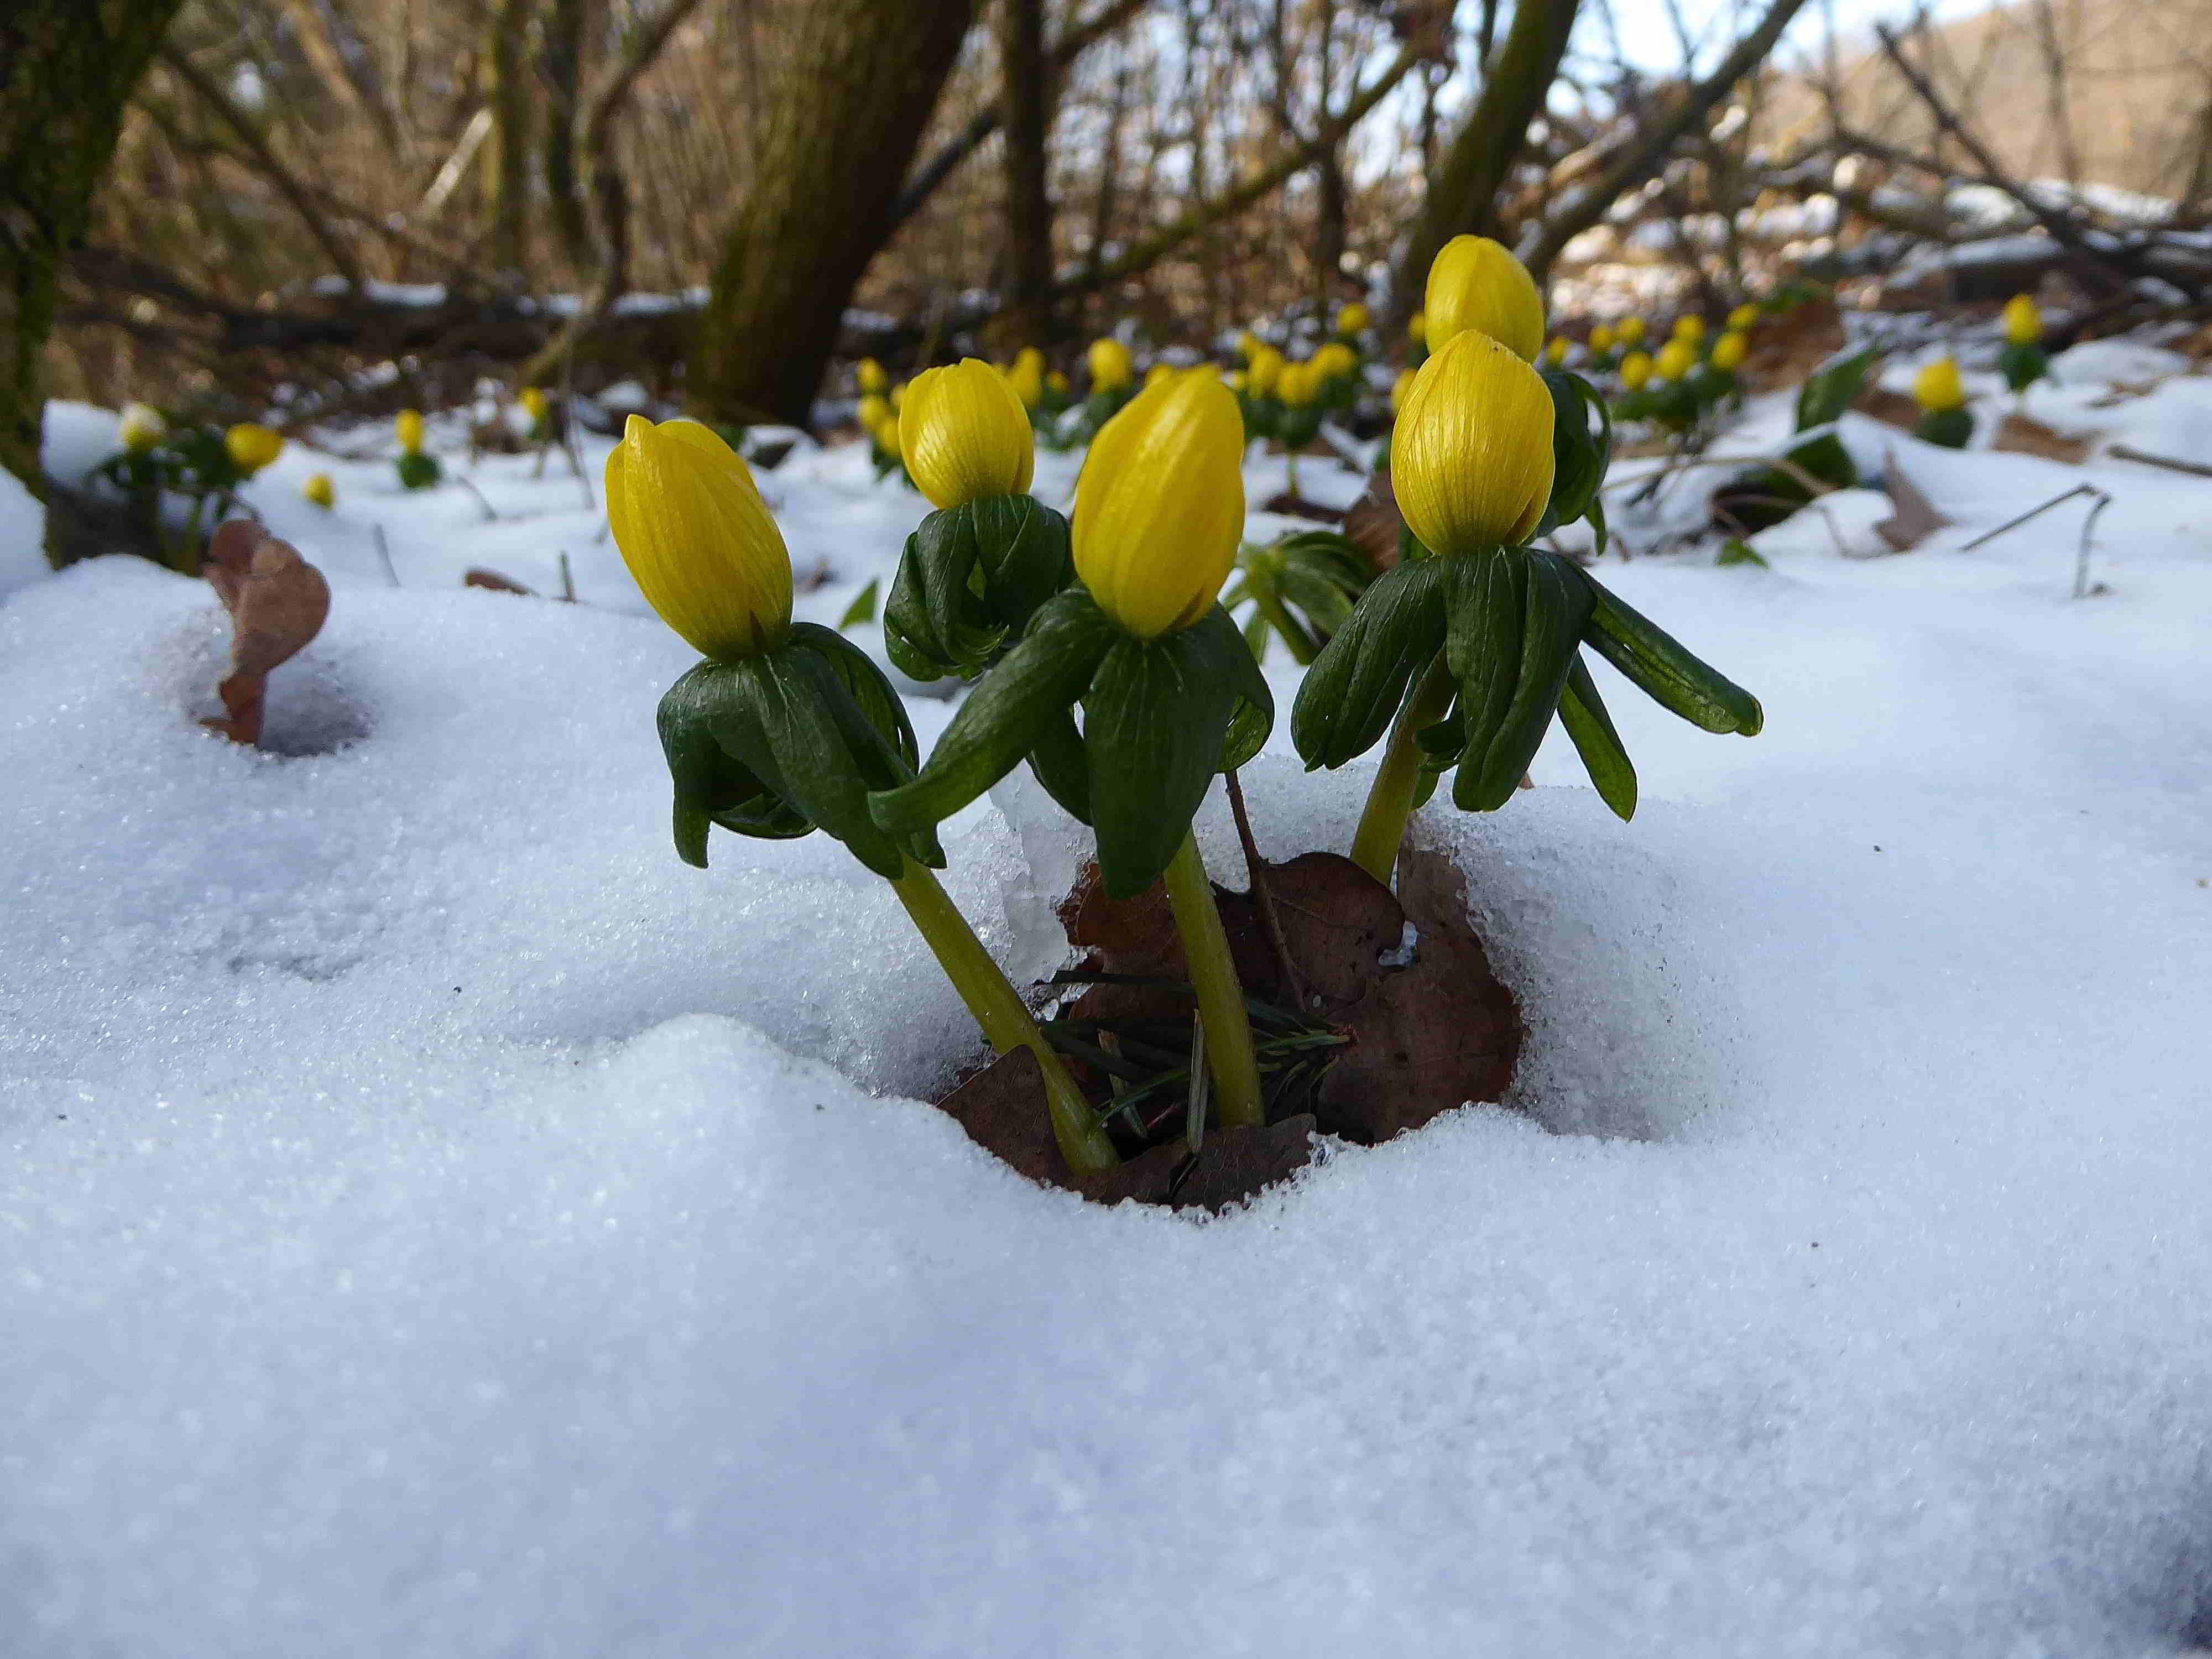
(1390, 798)
(1004, 1017)
(1229, 1052)
(1303, 649)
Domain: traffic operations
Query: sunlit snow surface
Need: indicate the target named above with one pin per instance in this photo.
(435, 1222)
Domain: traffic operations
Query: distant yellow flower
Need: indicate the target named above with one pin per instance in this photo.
(1266, 372)
(1398, 388)
(1335, 360)
(534, 404)
(1677, 358)
(318, 489)
(1352, 318)
(1297, 384)
(1477, 284)
(1471, 456)
(1416, 328)
(1692, 329)
(1938, 387)
(1110, 369)
(1555, 353)
(1057, 381)
(140, 427)
(1600, 338)
(885, 432)
(1026, 377)
(252, 446)
(871, 376)
(2023, 323)
(1160, 505)
(1629, 331)
(965, 435)
(1635, 370)
(1248, 344)
(875, 409)
(1741, 319)
(697, 537)
(407, 426)
(1729, 350)
(899, 392)
(1157, 373)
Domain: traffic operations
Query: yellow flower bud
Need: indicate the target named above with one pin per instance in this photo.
(885, 432)
(1026, 377)
(1471, 457)
(140, 427)
(1266, 372)
(1741, 319)
(1556, 352)
(1416, 328)
(252, 446)
(1692, 329)
(1159, 506)
(1335, 360)
(1352, 318)
(1677, 358)
(1398, 389)
(965, 435)
(1600, 338)
(1110, 369)
(2023, 323)
(1157, 373)
(875, 409)
(1477, 284)
(407, 425)
(318, 489)
(1295, 386)
(1937, 388)
(1248, 345)
(871, 376)
(1057, 381)
(697, 537)
(533, 404)
(1629, 330)
(1729, 350)
(1635, 370)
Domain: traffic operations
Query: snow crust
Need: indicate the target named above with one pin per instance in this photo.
(434, 1221)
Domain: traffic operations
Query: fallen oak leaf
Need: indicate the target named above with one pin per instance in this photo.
(278, 602)
(1916, 518)
(492, 582)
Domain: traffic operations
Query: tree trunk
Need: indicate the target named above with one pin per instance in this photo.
(67, 67)
(560, 66)
(1027, 317)
(834, 135)
(507, 173)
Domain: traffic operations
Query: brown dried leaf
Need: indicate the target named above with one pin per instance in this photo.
(278, 602)
(492, 582)
(1372, 523)
(2018, 434)
(1916, 518)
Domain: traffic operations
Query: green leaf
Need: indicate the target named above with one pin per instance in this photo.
(863, 607)
(1058, 763)
(1213, 640)
(1006, 715)
(1737, 551)
(1155, 718)
(1354, 687)
(1579, 454)
(1582, 712)
(1516, 616)
(711, 786)
(1665, 668)
(1829, 389)
(1947, 428)
(876, 697)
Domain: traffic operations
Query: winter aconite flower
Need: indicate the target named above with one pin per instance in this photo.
(1692, 329)
(965, 435)
(1741, 319)
(1555, 351)
(1635, 370)
(1471, 456)
(697, 537)
(1157, 373)
(1477, 284)
(1160, 505)
(1729, 350)
(2023, 323)
(1677, 358)
(140, 427)
(875, 409)
(871, 376)
(1600, 338)
(1352, 318)
(1297, 384)
(1938, 387)
(319, 490)
(1631, 331)
(1110, 369)
(534, 404)
(1266, 372)
(1399, 388)
(407, 426)
(252, 446)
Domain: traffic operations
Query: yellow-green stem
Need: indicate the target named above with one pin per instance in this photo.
(1229, 1053)
(1004, 1017)
(1391, 799)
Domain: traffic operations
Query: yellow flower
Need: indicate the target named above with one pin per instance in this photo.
(871, 376)
(1110, 369)
(1296, 385)
(1157, 373)
(697, 537)
(1629, 330)
(252, 446)
(1677, 358)
(899, 391)
(885, 432)
(1477, 284)
(1248, 344)
(1416, 328)
(2023, 323)
(1266, 372)
(318, 489)
(1026, 377)
(1600, 338)
(1352, 318)
(965, 435)
(1398, 389)
(1635, 370)
(1057, 381)
(533, 404)
(1728, 350)
(1335, 360)
(1741, 319)
(140, 427)
(1936, 388)
(1692, 329)
(875, 409)
(1471, 457)
(1160, 505)
(1556, 352)
(408, 426)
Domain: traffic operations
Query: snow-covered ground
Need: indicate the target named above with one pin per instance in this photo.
(436, 1222)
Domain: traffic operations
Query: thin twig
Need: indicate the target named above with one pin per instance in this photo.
(2082, 558)
(2014, 524)
(384, 552)
(490, 516)
(1263, 900)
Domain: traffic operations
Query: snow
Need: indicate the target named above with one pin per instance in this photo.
(22, 536)
(438, 1221)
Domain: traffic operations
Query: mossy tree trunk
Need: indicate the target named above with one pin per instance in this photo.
(67, 68)
(834, 135)
(1027, 317)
